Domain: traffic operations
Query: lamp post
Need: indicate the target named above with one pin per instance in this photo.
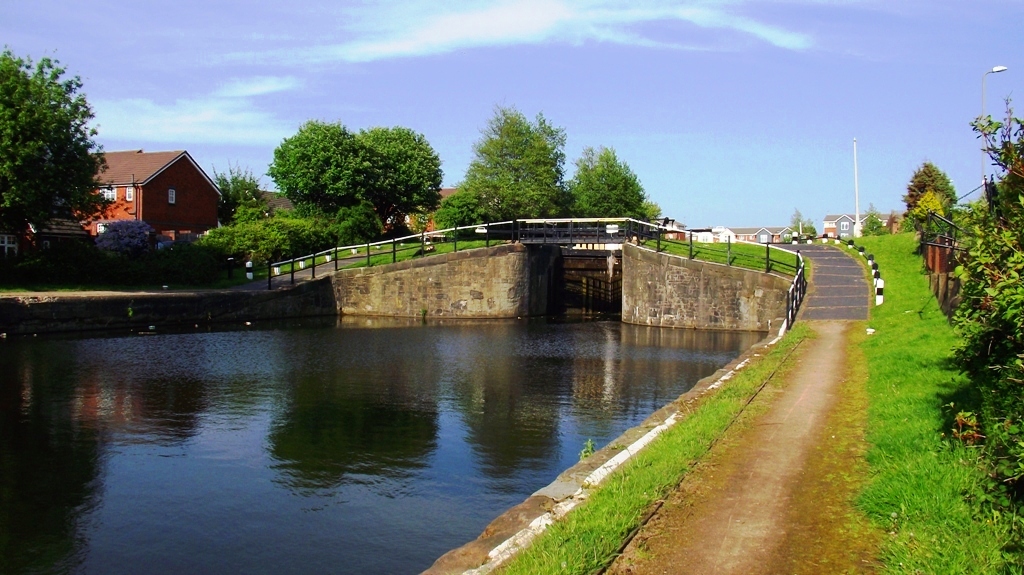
(994, 70)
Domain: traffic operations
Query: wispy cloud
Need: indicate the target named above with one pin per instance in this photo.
(411, 28)
(229, 115)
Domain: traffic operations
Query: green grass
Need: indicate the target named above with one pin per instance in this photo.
(589, 537)
(925, 488)
(742, 255)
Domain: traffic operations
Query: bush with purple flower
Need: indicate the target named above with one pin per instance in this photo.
(126, 237)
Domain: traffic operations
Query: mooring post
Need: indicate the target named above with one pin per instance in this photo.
(367, 254)
(728, 250)
(767, 258)
(394, 252)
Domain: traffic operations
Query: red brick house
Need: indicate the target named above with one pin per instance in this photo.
(167, 190)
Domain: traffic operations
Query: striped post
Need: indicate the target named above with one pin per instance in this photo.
(879, 286)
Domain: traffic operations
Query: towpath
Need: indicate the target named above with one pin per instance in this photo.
(760, 502)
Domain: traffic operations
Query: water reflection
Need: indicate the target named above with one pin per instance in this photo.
(326, 448)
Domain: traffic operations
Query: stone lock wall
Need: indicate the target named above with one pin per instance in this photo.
(671, 291)
(509, 280)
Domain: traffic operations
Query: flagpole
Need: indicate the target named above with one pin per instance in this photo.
(856, 194)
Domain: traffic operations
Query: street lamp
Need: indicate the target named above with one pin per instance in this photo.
(994, 70)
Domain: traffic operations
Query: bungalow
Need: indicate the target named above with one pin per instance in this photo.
(167, 190)
(764, 235)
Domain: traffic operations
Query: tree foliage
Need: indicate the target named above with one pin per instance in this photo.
(604, 186)
(929, 178)
(518, 168)
(325, 167)
(48, 158)
(319, 167)
(239, 192)
(873, 224)
(401, 173)
(990, 318)
(803, 225)
(459, 209)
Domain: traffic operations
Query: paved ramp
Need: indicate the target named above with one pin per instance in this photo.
(838, 287)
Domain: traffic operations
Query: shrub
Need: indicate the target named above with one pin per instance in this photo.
(126, 237)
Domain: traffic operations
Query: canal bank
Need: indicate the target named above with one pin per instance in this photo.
(517, 528)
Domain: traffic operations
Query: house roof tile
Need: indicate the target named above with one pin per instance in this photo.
(135, 166)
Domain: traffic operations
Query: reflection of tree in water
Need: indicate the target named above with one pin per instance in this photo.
(511, 413)
(49, 462)
(332, 431)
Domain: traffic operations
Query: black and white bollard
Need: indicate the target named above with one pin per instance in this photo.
(879, 286)
(248, 270)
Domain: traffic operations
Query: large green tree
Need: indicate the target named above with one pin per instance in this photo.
(459, 209)
(239, 192)
(319, 167)
(929, 178)
(518, 168)
(48, 158)
(401, 173)
(802, 225)
(605, 186)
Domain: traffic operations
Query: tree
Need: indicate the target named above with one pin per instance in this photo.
(401, 173)
(48, 159)
(239, 190)
(459, 209)
(873, 224)
(518, 168)
(319, 167)
(651, 211)
(929, 177)
(604, 186)
(928, 202)
(802, 225)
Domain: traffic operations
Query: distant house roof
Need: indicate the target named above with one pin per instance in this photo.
(445, 192)
(138, 167)
(834, 217)
(277, 201)
(775, 230)
(65, 227)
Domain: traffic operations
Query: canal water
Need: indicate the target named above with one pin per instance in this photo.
(352, 447)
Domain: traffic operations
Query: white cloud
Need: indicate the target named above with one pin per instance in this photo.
(417, 28)
(229, 115)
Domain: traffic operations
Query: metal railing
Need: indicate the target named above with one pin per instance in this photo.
(796, 293)
(939, 243)
(561, 231)
(394, 249)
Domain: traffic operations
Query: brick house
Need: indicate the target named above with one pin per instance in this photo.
(167, 190)
(839, 225)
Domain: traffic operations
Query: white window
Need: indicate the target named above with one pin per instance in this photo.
(100, 228)
(172, 195)
(845, 226)
(764, 238)
(9, 245)
(129, 194)
(109, 194)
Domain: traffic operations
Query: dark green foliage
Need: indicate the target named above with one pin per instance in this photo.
(239, 196)
(355, 225)
(605, 187)
(929, 178)
(401, 173)
(80, 263)
(459, 209)
(324, 168)
(990, 318)
(318, 166)
(48, 159)
(518, 168)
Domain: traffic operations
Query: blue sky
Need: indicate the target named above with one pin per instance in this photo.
(731, 112)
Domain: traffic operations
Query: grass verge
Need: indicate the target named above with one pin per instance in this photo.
(590, 536)
(926, 488)
(741, 255)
